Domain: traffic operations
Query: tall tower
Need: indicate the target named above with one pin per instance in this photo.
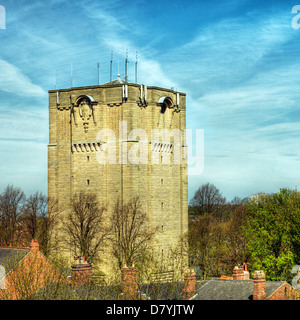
(155, 170)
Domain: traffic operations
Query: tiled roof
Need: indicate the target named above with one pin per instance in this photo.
(65, 291)
(154, 291)
(166, 291)
(10, 258)
(220, 289)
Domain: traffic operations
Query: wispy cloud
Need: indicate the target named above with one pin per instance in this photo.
(13, 80)
(25, 124)
(237, 62)
(112, 37)
(229, 52)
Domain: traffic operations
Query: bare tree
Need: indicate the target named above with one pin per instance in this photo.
(85, 228)
(47, 223)
(11, 208)
(35, 207)
(207, 199)
(39, 218)
(200, 238)
(236, 242)
(237, 201)
(131, 232)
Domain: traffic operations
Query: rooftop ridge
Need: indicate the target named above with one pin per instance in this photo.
(109, 84)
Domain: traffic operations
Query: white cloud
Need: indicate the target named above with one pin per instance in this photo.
(13, 80)
(229, 52)
(240, 86)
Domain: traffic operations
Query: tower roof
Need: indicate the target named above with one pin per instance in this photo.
(116, 81)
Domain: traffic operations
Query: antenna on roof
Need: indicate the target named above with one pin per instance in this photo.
(136, 63)
(98, 66)
(126, 62)
(111, 62)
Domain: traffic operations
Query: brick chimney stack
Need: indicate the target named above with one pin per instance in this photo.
(189, 284)
(34, 246)
(238, 273)
(259, 282)
(81, 271)
(246, 272)
(129, 282)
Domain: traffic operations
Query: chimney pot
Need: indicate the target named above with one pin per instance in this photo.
(238, 273)
(81, 272)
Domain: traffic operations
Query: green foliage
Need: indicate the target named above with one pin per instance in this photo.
(263, 232)
(272, 233)
(216, 243)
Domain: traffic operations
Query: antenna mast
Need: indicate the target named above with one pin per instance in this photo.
(111, 62)
(98, 66)
(126, 62)
(136, 63)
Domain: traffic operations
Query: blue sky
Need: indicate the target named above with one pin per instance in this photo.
(237, 61)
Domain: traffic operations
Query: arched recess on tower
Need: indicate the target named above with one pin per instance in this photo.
(165, 102)
(82, 97)
(84, 108)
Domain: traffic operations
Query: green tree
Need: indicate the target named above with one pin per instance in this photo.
(272, 233)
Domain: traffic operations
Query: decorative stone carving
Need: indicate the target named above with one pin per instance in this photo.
(85, 111)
